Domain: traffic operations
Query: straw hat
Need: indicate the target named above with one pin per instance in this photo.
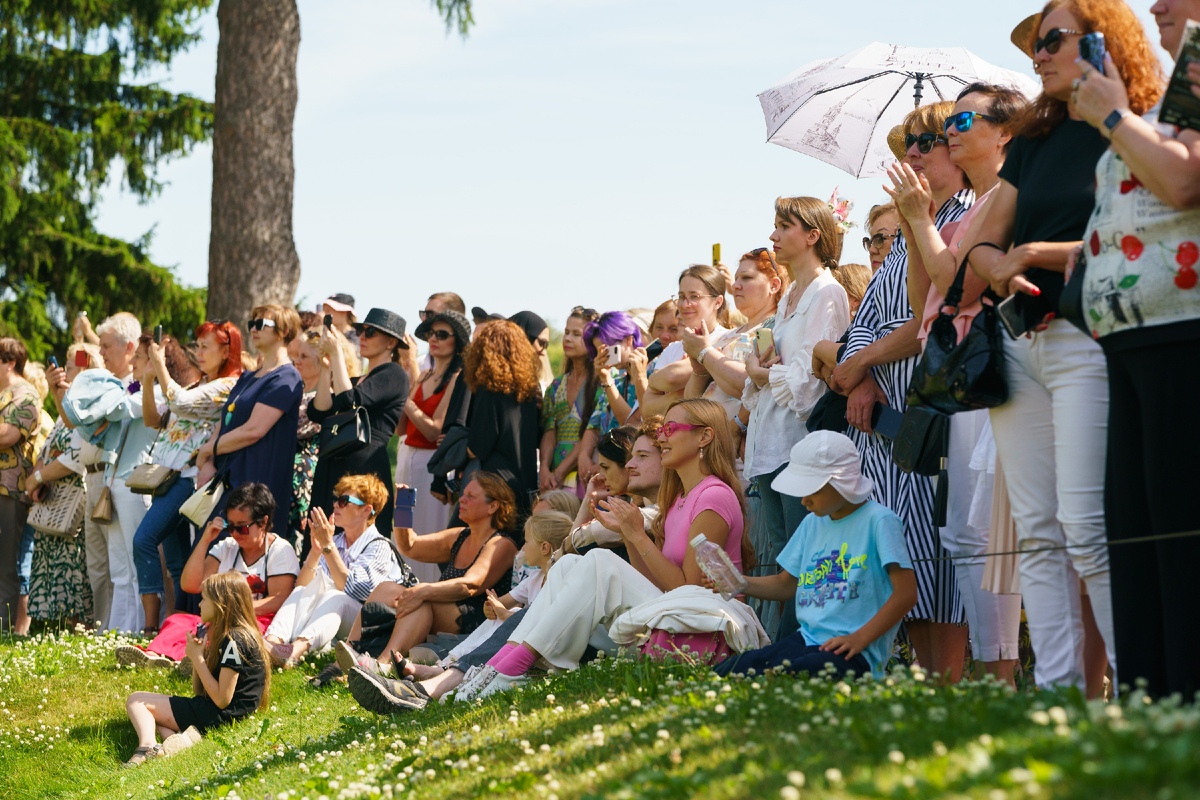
(895, 140)
(1022, 35)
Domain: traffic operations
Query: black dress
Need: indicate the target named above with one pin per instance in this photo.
(470, 610)
(382, 393)
(504, 438)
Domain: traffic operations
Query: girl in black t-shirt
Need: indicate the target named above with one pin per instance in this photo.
(230, 675)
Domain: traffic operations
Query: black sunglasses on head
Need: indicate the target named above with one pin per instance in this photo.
(924, 141)
(1053, 40)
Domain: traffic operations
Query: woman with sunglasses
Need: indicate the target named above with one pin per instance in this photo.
(883, 226)
(189, 413)
(876, 367)
(448, 334)
(700, 492)
(1050, 434)
(538, 333)
(255, 436)
(348, 559)
(702, 312)
(382, 391)
(241, 542)
(978, 136)
(568, 435)
(1143, 308)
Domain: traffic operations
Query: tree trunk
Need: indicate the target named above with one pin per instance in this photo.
(251, 255)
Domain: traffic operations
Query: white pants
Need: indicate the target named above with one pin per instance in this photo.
(1051, 438)
(95, 548)
(994, 619)
(581, 593)
(317, 613)
(128, 510)
(429, 515)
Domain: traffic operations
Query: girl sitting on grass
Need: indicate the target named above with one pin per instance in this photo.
(230, 676)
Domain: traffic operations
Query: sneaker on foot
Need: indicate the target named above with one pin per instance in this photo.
(472, 685)
(142, 753)
(129, 655)
(178, 742)
(382, 695)
(500, 683)
(348, 658)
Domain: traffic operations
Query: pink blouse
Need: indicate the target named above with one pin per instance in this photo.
(953, 235)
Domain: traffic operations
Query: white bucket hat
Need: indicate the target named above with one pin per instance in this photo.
(824, 457)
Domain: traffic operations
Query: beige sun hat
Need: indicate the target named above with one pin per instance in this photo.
(895, 140)
(1023, 35)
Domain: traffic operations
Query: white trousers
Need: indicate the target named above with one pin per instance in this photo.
(316, 613)
(128, 510)
(429, 515)
(1051, 439)
(994, 619)
(95, 548)
(581, 593)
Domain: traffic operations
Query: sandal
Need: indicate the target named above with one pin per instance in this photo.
(399, 663)
(326, 676)
(143, 753)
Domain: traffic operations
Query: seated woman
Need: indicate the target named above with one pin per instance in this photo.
(475, 558)
(341, 571)
(700, 493)
(266, 560)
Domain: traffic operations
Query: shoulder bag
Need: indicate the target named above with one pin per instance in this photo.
(345, 433)
(102, 511)
(200, 506)
(60, 513)
(955, 376)
(150, 478)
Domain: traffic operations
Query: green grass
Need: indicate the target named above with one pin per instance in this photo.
(619, 728)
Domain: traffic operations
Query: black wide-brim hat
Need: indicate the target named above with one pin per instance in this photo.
(457, 322)
(389, 322)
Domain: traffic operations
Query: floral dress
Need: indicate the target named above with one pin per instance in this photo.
(193, 410)
(303, 467)
(564, 417)
(58, 582)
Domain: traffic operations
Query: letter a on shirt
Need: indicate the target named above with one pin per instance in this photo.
(231, 654)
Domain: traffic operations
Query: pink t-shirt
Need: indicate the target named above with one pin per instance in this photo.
(953, 235)
(710, 494)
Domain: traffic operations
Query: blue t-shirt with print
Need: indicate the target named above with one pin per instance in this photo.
(841, 569)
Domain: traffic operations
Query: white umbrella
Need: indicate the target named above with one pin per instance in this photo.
(840, 110)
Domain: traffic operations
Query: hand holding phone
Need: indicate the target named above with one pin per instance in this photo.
(329, 321)
(158, 334)
(1091, 50)
(764, 341)
(53, 362)
(406, 500)
(614, 356)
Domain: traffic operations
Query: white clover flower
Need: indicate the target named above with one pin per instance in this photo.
(896, 757)
(1059, 715)
(1040, 717)
(796, 778)
(719, 708)
(789, 793)
(833, 775)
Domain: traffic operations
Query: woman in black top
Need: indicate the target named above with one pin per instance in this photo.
(382, 392)
(1050, 435)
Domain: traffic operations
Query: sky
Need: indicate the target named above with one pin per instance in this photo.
(568, 152)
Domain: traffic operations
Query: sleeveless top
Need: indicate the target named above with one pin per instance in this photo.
(470, 610)
(413, 435)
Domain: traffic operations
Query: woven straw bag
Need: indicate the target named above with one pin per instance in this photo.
(61, 512)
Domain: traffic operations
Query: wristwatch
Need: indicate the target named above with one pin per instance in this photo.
(327, 549)
(1114, 119)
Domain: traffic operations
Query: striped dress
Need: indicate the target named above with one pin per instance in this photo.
(884, 308)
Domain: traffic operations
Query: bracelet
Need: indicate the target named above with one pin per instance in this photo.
(648, 549)
(742, 426)
(703, 353)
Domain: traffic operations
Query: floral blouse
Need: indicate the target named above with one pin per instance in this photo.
(193, 412)
(62, 447)
(21, 407)
(564, 417)
(604, 419)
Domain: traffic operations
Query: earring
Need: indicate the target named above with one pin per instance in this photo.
(701, 453)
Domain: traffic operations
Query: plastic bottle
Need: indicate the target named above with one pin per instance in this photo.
(715, 563)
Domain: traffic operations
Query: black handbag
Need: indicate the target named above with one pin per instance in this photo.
(922, 440)
(1070, 302)
(451, 454)
(955, 376)
(345, 433)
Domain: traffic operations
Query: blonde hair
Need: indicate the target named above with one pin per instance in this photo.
(713, 280)
(854, 279)
(551, 527)
(562, 500)
(230, 594)
(93, 354)
(813, 214)
(286, 319)
(35, 373)
(878, 211)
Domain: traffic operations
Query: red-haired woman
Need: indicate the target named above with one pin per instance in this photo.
(189, 413)
(1050, 435)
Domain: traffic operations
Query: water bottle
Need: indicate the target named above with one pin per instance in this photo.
(715, 563)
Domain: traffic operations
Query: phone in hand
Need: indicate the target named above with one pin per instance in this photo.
(158, 334)
(614, 356)
(201, 630)
(406, 499)
(1013, 316)
(764, 340)
(1091, 50)
(716, 254)
(886, 420)
(81, 358)
(329, 321)
(53, 362)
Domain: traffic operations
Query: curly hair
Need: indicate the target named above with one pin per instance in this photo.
(502, 360)
(1132, 54)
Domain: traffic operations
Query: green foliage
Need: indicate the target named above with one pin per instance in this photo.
(457, 14)
(70, 113)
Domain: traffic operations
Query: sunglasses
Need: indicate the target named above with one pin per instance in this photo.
(758, 251)
(924, 141)
(342, 499)
(964, 120)
(541, 344)
(668, 429)
(1053, 40)
(440, 335)
(368, 332)
(877, 241)
(258, 324)
(588, 314)
(423, 313)
(240, 530)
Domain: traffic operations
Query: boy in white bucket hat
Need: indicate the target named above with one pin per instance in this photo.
(847, 566)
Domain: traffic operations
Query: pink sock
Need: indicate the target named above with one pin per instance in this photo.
(515, 662)
(502, 654)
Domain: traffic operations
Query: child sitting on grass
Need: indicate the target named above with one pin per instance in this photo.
(230, 676)
(847, 566)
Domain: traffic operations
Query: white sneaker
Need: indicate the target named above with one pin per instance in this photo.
(178, 742)
(472, 685)
(501, 683)
(130, 656)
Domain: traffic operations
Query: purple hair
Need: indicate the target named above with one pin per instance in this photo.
(612, 327)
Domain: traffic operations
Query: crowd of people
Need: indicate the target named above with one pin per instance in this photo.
(239, 507)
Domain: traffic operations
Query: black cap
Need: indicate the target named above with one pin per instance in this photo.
(389, 322)
(529, 322)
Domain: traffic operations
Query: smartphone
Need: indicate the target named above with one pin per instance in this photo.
(329, 321)
(81, 358)
(764, 340)
(1012, 316)
(405, 500)
(886, 420)
(201, 630)
(53, 362)
(1091, 50)
(158, 334)
(614, 355)
(716, 254)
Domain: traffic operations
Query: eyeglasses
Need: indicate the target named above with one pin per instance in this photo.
(691, 299)
(668, 429)
(964, 120)
(440, 335)
(1053, 40)
(924, 141)
(588, 314)
(342, 499)
(877, 241)
(258, 324)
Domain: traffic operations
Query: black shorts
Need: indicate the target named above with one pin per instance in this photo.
(199, 711)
